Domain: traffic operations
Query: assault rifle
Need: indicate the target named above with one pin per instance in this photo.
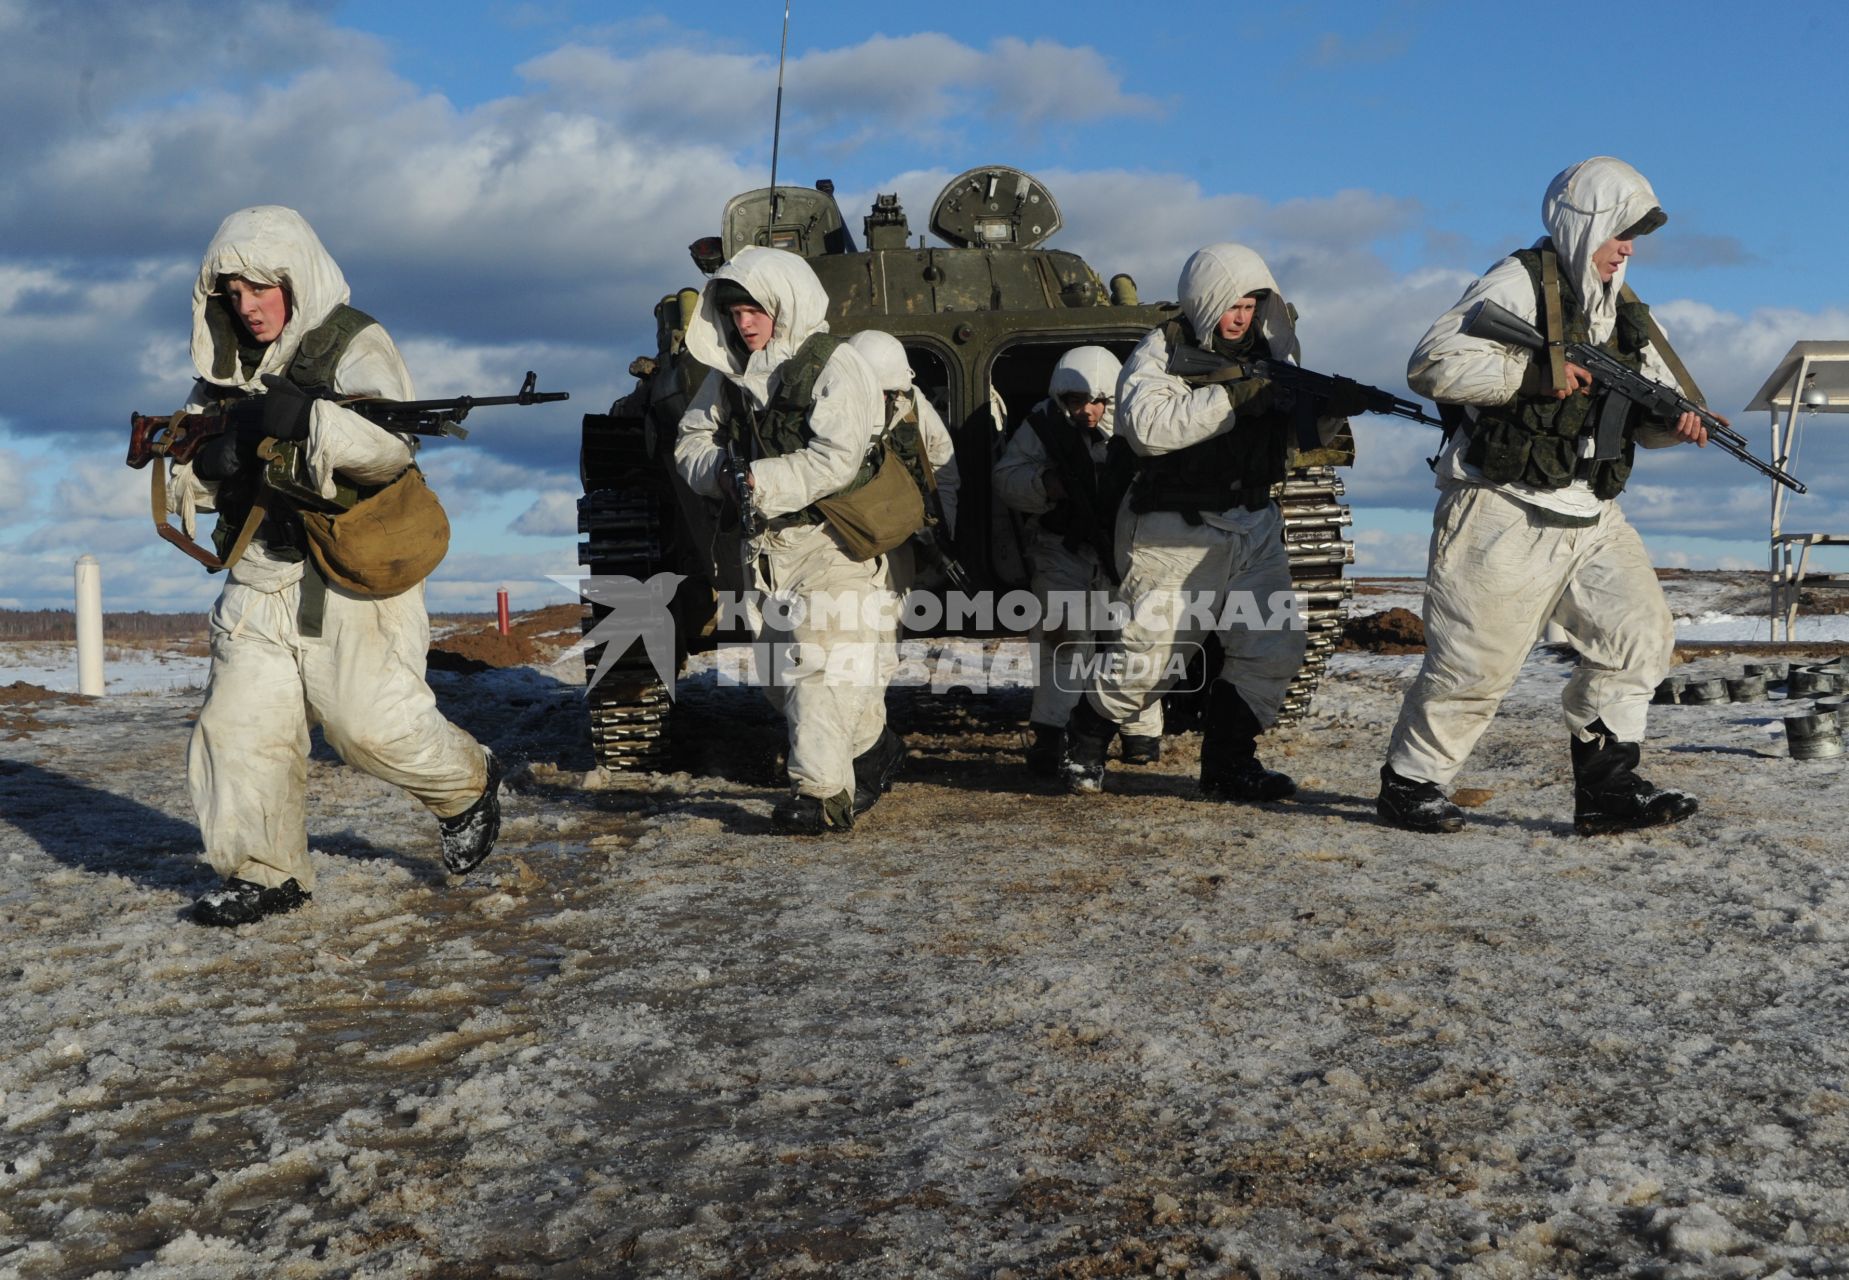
(180, 436)
(738, 474)
(1304, 391)
(1624, 389)
(937, 551)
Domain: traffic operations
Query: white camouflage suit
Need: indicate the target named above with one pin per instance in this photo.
(362, 679)
(836, 706)
(1230, 556)
(1498, 575)
(1020, 484)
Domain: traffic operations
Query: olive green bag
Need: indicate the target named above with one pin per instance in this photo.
(880, 514)
(369, 541)
(385, 543)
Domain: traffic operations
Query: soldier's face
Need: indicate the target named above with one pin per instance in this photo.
(1086, 412)
(263, 308)
(1238, 318)
(754, 325)
(1607, 258)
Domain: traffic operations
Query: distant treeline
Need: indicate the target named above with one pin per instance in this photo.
(61, 624)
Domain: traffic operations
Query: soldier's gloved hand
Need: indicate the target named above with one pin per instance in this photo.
(1346, 400)
(226, 454)
(286, 409)
(1251, 395)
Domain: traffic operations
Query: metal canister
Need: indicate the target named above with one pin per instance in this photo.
(1747, 688)
(1808, 682)
(1814, 737)
(1669, 692)
(1706, 689)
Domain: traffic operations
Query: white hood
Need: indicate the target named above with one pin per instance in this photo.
(1218, 276)
(267, 244)
(885, 355)
(783, 284)
(1585, 206)
(1093, 372)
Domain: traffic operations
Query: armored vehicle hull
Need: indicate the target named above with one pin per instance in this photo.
(983, 317)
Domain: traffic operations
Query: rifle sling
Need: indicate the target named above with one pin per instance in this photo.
(1554, 323)
(1670, 358)
(157, 502)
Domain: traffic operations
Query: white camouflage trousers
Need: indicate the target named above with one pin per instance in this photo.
(1183, 580)
(1498, 577)
(362, 681)
(1061, 652)
(837, 617)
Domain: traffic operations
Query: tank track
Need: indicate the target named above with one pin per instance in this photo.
(623, 535)
(1314, 517)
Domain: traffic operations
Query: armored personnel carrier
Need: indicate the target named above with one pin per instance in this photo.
(983, 315)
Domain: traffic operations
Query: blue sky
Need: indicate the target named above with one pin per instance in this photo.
(511, 186)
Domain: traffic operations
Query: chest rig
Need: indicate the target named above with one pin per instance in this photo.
(1234, 469)
(316, 359)
(1537, 441)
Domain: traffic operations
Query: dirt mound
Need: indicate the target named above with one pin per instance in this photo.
(1394, 631)
(532, 637)
(18, 718)
(19, 691)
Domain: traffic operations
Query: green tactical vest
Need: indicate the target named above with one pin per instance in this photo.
(783, 426)
(312, 370)
(1234, 469)
(1536, 442)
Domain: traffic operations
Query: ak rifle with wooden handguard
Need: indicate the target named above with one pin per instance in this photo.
(180, 436)
(1304, 392)
(1623, 389)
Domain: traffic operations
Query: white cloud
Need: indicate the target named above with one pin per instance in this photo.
(914, 86)
(554, 515)
(18, 487)
(1381, 554)
(94, 488)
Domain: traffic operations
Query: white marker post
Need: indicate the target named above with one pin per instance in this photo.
(89, 626)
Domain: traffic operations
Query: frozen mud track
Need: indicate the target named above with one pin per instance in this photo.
(997, 1031)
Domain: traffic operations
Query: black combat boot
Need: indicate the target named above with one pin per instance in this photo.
(1088, 737)
(243, 902)
(1416, 805)
(874, 769)
(470, 835)
(1048, 750)
(1229, 752)
(1139, 748)
(1608, 796)
(813, 816)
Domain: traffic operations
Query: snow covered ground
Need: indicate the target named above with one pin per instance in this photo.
(995, 1032)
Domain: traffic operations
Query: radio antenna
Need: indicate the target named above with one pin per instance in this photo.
(776, 136)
